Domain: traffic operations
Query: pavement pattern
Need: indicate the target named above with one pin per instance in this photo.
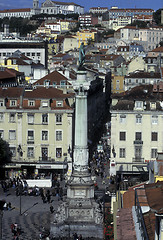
(34, 215)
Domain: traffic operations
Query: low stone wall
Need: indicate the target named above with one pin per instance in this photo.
(39, 182)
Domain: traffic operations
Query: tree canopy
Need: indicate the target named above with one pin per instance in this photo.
(157, 17)
(5, 153)
(139, 24)
(21, 25)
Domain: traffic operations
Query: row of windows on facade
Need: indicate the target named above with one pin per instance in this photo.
(31, 152)
(138, 136)
(145, 81)
(139, 118)
(138, 153)
(19, 14)
(30, 135)
(29, 54)
(31, 103)
(31, 118)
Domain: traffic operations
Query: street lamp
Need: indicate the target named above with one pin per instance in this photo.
(20, 194)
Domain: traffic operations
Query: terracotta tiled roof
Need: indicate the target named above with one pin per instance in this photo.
(125, 225)
(159, 49)
(54, 77)
(7, 73)
(149, 220)
(11, 92)
(47, 93)
(19, 61)
(16, 10)
(154, 194)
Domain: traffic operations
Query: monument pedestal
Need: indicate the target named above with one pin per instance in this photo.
(80, 213)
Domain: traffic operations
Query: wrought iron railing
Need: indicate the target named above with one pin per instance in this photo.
(138, 159)
(139, 213)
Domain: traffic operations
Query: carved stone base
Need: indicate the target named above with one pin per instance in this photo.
(67, 230)
(79, 213)
(78, 216)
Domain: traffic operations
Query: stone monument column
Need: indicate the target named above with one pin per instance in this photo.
(79, 213)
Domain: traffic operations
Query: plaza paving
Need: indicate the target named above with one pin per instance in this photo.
(34, 215)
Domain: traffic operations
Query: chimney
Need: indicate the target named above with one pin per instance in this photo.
(67, 73)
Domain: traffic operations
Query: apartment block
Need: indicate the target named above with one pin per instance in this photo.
(38, 127)
(136, 128)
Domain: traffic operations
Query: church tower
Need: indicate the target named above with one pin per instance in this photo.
(35, 4)
(35, 10)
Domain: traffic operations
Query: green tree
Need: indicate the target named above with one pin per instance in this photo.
(157, 16)
(139, 24)
(5, 153)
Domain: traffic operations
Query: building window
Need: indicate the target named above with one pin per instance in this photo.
(12, 117)
(122, 118)
(59, 103)
(30, 135)
(154, 119)
(31, 103)
(1, 103)
(153, 152)
(122, 136)
(122, 152)
(1, 133)
(45, 118)
(138, 151)
(30, 118)
(44, 135)
(138, 136)
(30, 152)
(58, 135)
(138, 104)
(1, 117)
(138, 119)
(44, 152)
(45, 103)
(62, 83)
(13, 151)
(13, 103)
(58, 152)
(12, 134)
(154, 136)
(58, 118)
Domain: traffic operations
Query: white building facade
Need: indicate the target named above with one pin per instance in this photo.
(136, 128)
(47, 7)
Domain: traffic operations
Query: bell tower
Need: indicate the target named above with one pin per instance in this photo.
(35, 4)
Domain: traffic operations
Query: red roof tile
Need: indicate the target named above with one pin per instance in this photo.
(125, 225)
(154, 193)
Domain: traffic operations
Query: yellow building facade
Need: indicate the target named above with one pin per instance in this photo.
(37, 124)
(117, 84)
(84, 36)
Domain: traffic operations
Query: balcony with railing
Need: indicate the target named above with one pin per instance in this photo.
(138, 142)
(138, 160)
(46, 160)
